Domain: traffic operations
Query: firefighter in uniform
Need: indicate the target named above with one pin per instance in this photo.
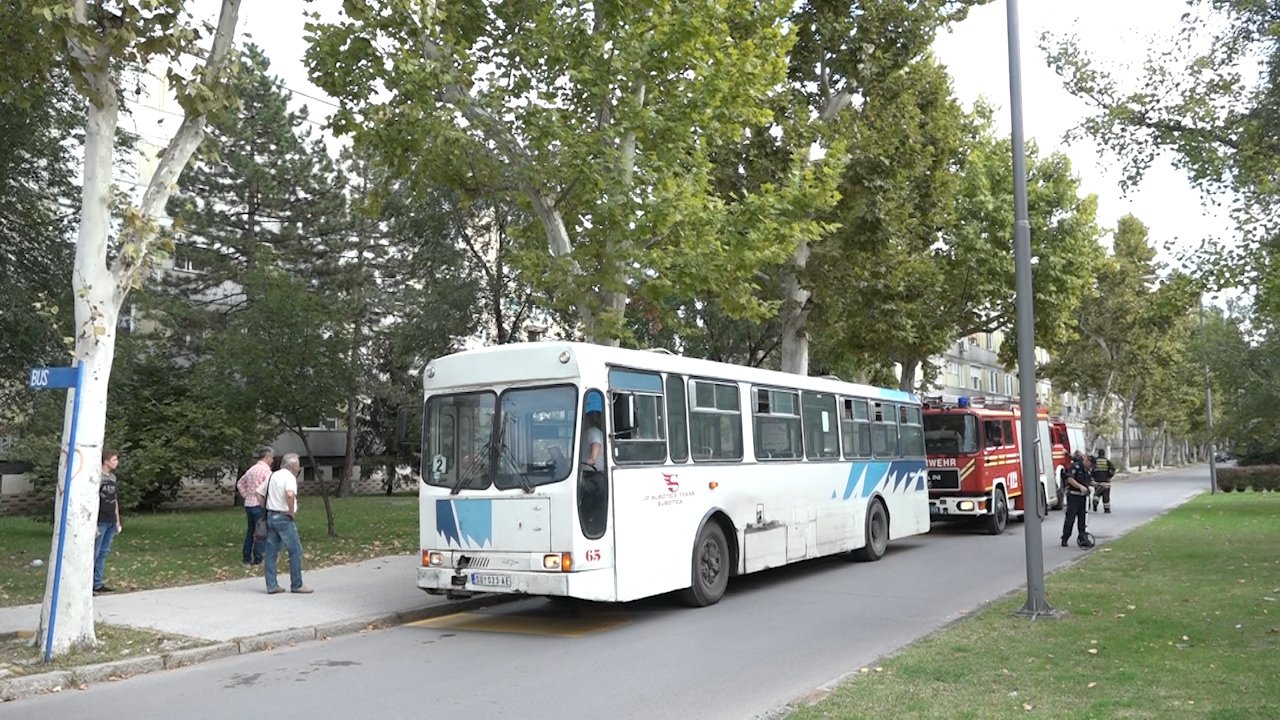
(1077, 487)
(1103, 471)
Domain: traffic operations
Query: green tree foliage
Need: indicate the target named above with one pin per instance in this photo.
(844, 64)
(166, 416)
(600, 120)
(1130, 335)
(924, 253)
(408, 288)
(1212, 99)
(287, 350)
(39, 121)
(262, 191)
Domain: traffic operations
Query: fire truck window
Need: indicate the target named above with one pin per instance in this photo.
(991, 430)
(950, 434)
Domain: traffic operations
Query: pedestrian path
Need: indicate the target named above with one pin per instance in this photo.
(365, 591)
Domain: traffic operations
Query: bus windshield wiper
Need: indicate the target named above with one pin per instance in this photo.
(504, 453)
(473, 470)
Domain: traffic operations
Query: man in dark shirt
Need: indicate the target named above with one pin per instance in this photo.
(108, 519)
(1077, 487)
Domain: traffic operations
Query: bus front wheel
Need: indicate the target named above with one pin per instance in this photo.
(710, 567)
(877, 534)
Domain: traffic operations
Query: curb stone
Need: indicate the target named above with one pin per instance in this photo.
(16, 688)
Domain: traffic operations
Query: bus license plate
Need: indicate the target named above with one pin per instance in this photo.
(490, 580)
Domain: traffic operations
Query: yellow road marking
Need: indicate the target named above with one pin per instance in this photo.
(568, 624)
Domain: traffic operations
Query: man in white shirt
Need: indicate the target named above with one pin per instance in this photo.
(279, 495)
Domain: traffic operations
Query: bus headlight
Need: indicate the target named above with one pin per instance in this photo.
(964, 505)
(558, 561)
(432, 558)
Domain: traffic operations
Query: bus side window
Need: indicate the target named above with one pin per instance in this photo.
(912, 432)
(884, 431)
(777, 424)
(821, 434)
(855, 427)
(677, 422)
(715, 421)
(639, 428)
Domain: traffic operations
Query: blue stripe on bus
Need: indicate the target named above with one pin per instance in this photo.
(446, 523)
(465, 521)
(900, 476)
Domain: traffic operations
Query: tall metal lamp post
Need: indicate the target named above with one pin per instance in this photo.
(1037, 604)
(1208, 409)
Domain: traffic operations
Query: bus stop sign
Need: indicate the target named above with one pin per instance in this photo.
(51, 378)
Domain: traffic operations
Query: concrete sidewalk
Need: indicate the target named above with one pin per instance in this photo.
(239, 616)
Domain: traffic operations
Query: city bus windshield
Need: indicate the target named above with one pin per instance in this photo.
(475, 440)
(950, 434)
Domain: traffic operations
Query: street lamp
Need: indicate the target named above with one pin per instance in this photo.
(1037, 604)
(1208, 407)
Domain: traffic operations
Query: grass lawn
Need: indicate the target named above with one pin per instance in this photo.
(165, 549)
(1178, 619)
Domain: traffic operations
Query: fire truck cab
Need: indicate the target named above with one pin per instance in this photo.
(975, 462)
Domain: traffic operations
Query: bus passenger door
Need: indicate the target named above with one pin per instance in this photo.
(593, 478)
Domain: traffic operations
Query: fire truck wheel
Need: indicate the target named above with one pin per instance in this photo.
(877, 533)
(998, 520)
(710, 567)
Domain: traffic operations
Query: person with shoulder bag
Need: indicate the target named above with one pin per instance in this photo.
(249, 485)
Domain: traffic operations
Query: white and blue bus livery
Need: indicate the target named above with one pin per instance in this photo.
(593, 472)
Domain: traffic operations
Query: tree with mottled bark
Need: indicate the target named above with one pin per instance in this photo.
(102, 41)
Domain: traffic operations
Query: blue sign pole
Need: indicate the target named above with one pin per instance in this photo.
(71, 378)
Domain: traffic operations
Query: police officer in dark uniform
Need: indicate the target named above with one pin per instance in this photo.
(1077, 487)
(1103, 471)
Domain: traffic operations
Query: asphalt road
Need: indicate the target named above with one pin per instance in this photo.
(776, 636)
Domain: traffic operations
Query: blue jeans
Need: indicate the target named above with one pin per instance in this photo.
(281, 530)
(102, 546)
(252, 549)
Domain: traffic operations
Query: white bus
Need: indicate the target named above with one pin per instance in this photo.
(706, 470)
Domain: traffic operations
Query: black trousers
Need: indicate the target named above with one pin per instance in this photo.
(1102, 489)
(1075, 514)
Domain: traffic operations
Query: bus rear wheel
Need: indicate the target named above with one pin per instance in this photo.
(877, 534)
(998, 520)
(710, 567)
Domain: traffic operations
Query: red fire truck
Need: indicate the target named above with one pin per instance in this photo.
(1067, 438)
(975, 461)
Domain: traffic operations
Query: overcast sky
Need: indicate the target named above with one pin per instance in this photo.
(976, 53)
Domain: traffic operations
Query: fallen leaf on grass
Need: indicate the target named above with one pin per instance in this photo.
(1028, 706)
(1093, 651)
(1093, 684)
